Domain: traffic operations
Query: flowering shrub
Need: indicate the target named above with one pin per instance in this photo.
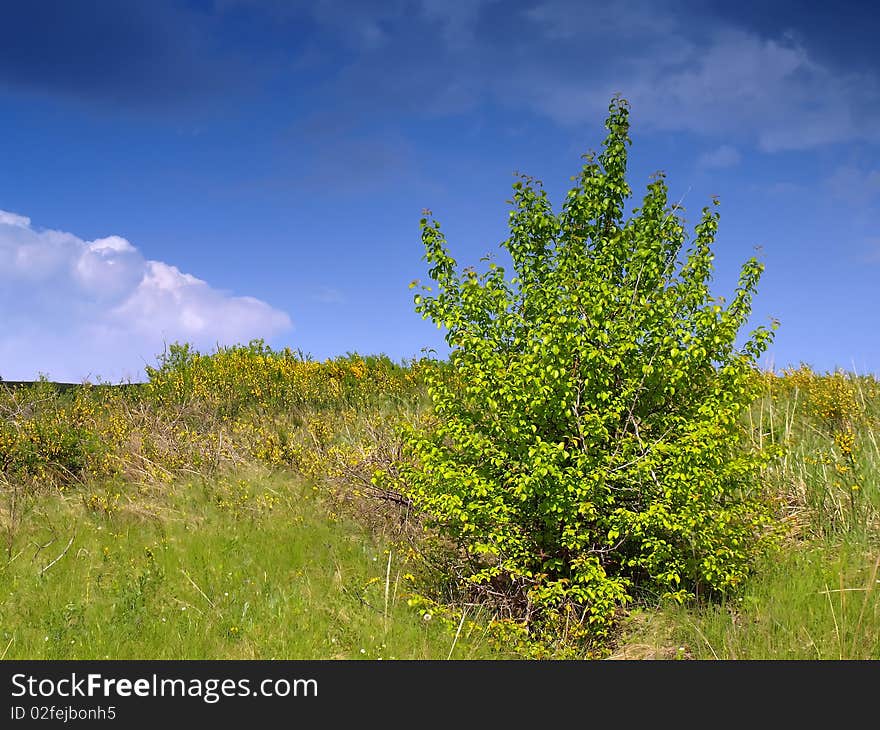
(835, 400)
(255, 376)
(196, 412)
(829, 422)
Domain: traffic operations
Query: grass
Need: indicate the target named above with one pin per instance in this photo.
(818, 598)
(191, 520)
(821, 602)
(248, 566)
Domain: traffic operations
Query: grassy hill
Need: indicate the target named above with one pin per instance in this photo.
(225, 509)
(251, 566)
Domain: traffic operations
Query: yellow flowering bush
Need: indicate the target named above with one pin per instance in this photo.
(830, 419)
(196, 412)
(836, 400)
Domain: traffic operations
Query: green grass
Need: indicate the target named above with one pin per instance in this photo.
(182, 554)
(820, 602)
(243, 567)
(818, 597)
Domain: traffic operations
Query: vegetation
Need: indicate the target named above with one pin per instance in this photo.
(203, 515)
(121, 508)
(590, 448)
(599, 469)
(253, 567)
(818, 597)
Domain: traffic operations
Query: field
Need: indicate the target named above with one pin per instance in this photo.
(226, 509)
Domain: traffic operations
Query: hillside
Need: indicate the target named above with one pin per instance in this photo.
(226, 509)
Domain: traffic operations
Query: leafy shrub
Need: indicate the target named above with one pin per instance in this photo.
(828, 421)
(588, 448)
(236, 379)
(835, 400)
(196, 412)
(52, 437)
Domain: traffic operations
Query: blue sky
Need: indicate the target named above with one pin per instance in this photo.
(218, 170)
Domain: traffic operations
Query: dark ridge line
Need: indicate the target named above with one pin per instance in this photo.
(62, 386)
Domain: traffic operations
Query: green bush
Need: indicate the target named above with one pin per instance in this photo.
(589, 448)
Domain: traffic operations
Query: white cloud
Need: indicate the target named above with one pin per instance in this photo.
(11, 219)
(74, 309)
(772, 91)
(718, 80)
(723, 156)
(682, 66)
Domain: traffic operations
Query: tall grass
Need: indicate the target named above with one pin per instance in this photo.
(243, 566)
(819, 601)
(226, 509)
(819, 596)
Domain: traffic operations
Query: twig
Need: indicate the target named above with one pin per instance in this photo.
(7, 649)
(387, 590)
(460, 624)
(63, 553)
(13, 558)
(841, 590)
(834, 616)
(195, 585)
(703, 637)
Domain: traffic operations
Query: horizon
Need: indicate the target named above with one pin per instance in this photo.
(219, 171)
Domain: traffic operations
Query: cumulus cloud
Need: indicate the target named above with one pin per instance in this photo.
(769, 88)
(74, 309)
